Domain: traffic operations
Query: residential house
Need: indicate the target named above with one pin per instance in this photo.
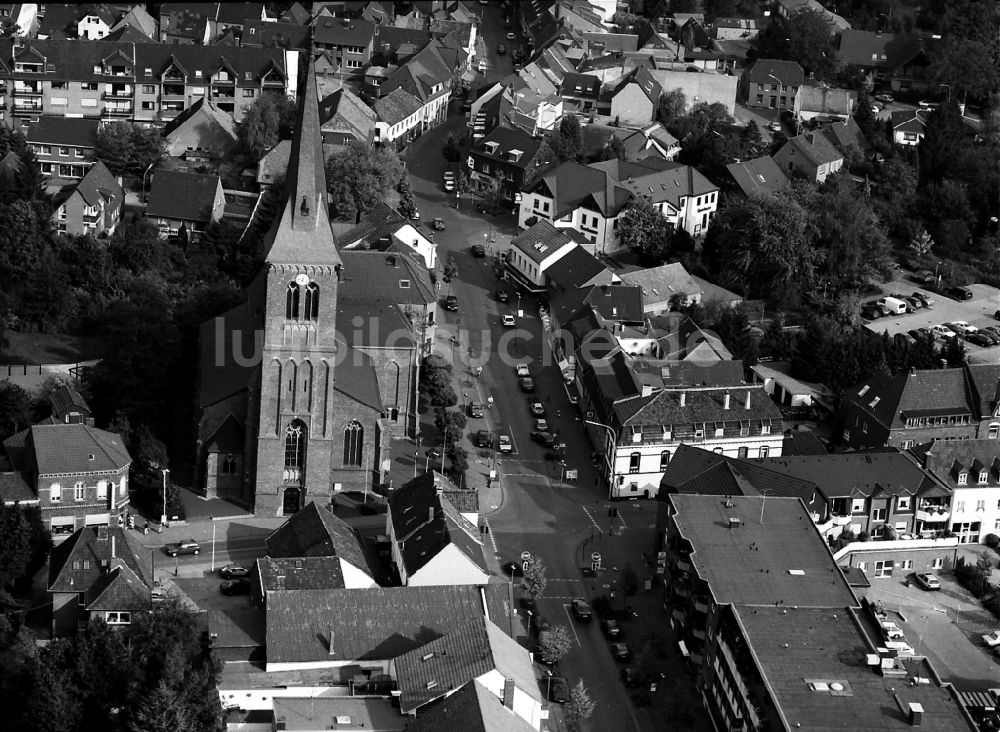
(276, 34)
(918, 406)
(428, 76)
(432, 543)
(758, 177)
(274, 165)
(811, 156)
(98, 573)
(594, 307)
(664, 287)
(771, 83)
(64, 146)
(748, 598)
(908, 126)
(971, 470)
(92, 205)
(316, 533)
(72, 21)
(188, 201)
(634, 102)
(23, 16)
(590, 198)
(650, 141)
(736, 29)
(348, 41)
(699, 88)
(344, 119)
(898, 61)
(823, 101)
(788, 8)
(544, 257)
(384, 229)
(190, 24)
(845, 135)
(201, 134)
(788, 391)
(580, 93)
(529, 104)
(473, 702)
(641, 414)
(387, 307)
(399, 118)
(77, 473)
(507, 157)
(137, 19)
(67, 406)
(712, 292)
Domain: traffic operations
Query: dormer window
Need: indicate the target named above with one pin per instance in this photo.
(983, 477)
(492, 147)
(963, 478)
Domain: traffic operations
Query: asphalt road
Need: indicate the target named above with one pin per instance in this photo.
(494, 33)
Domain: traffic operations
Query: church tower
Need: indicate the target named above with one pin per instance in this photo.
(296, 296)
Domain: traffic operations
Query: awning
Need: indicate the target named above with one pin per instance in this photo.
(96, 519)
(63, 521)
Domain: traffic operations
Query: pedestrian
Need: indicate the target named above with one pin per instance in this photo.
(489, 402)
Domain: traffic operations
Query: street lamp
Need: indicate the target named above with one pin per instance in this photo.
(614, 444)
(148, 168)
(548, 684)
(163, 515)
(781, 86)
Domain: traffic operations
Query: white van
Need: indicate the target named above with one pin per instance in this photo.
(893, 305)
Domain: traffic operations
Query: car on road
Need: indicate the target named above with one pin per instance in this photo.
(478, 251)
(582, 611)
(620, 651)
(774, 126)
(927, 104)
(942, 331)
(501, 49)
(961, 327)
(481, 66)
(182, 547)
(476, 410)
(501, 295)
(527, 384)
(959, 293)
(235, 587)
(541, 425)
(522, 370)
(631, 677)
(980, 339)
(484, 438)
(505, 442)
(611, 628)
(927, 581)
(536, 409)
(449, 184)
(992, 639)
(451, 303)
(927, 300)
(508, 321)
(542, 438)
(891, 630)
(559, 689)
(438, 224)
(884, 98)
(233, 571)
(511, 36)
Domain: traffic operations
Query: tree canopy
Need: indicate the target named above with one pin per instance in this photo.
(129, 149)
(267, 121)
(645, 230)
(360, 177)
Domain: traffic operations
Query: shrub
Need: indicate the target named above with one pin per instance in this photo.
(992, 541)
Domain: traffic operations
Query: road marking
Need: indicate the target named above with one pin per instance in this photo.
(572, 625)
(586, 511)
(489, 533)
(622, 518)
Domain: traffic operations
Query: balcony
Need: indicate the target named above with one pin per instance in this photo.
(118, 111)
(224, 93)
(173, 91)
(92, 220)
(27, 106)
(678, 614)
(119, 93)
(21, 88)
(700, 605)
(933, 514)
(682, 565)
(697, 632)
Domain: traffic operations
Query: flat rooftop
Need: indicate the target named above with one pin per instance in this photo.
(750, 561)
(372, 714)
(794, 647)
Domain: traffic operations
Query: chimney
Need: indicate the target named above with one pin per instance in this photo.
(725, 400)
(913, 370)
(330, 648)
(508, 693)
(748, 399)
(113, 545)
(916, 714)
(683, 398)
(929, 459)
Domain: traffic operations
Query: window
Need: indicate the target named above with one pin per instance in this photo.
(353, 63)
(88, 102)
(938, 563)
(883, 568)
(765, 429)
(58, 101)
(229, 465)
(354, 437)
(862, 566)
(994, 431)
(197, 91)
(980, 506)
(633, 462)
(664, 459)
(148, 89)
(983, 477)
(906, 445)
(311, 309)
(55, 493)
(248, 93)
(64, 150)
(963, 478)
(903, 503)
(78, 152)
(79, 492)
(858, 505)
(148, 106)
(292, 302)
(197, 74)
(102, 489)
(295, 445)
(878, 514)
(960, 506)
(764, 451)
(89, 86)
(742, 452)
(906, 564)
(118, 618)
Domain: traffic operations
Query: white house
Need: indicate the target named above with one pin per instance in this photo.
(432, 542)
(971, 468)
(96, 24)
(908, 126)
(532, 252)
(399, 117)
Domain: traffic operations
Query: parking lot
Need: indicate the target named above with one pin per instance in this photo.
(978, 312)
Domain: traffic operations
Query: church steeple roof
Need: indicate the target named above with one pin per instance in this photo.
(302, 235)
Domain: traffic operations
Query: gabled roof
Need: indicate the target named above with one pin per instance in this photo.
(343, 111)
(844, 134)
(578, 268)
(892, 399)
(425, 522)
(617, 303)
(200, 113)
(580, 85)
(301, 234)
(373, 277)
(879, 50)
(423, 71)
(381, 222)
(49, 130)
(909, 120)
(184, 196)
(541, 241)
(504, 144)
(661, 283)
(473, 708)
(814, 147)
(98, 186)
(16, 487)
(128, 34)
(117, 589)
(396, 106)
(343, 31)
(60, 449)
(986, 386)
(299, 573)
(664, 407)
(228, 437)
(947, 458)
(758, 177)
(139, 20)
(82, 560)
(358, 380)
(763, 71)
(316, 532)
(274, 164)
(278, 34)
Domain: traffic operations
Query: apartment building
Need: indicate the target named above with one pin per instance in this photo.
(147, 83)
(971, 470)
(64, 146)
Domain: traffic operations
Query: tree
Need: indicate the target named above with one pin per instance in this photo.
(670, 107)
(360, 176)
(967, 66)
(682, 708)
(567, 142)
(15, 409)
(458, 463)
(534, 581)
(945, 137)
(268, 120)
(161, 711)
(128, 149)
(553, 644)
(450, 423)
(805, 38)
(645, 230)
(15, 544)
(922, 243)
(580, 706)
(450, 271)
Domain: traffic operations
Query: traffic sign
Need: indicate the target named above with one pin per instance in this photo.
(525, 556)
(596, 557)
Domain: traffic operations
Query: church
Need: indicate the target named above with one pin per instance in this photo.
(290, 412)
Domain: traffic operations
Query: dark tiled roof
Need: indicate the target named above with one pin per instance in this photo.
(15, 487)
(541, 241)
(396, 106)
(67, 448)
(844, 134)
(578, 268)
(757, 177)
(473, 708)
(618, 303)
(119, 589)
(802, 442)
(98, 185)
(664, 407)
(881, 50)
(421, 72)
(580, 85)
(425, 522)
(128, 34)
(64, 131)
(909, 120)
(815, 147)
(762, 70)
(216, 381)
(357, 380)
(316, 532)
(508, 139)
(377, 276)
(343, 111)
(206, 120)
(229, 437)
(280, 35)
(91, 549)
(366, 624)
(986, 383)
(946, 458)
(464, 501)
(66, 399)
(343, 31)
(182, 196)
(300, 573)
(890, 398)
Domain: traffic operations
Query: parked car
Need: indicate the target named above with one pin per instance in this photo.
(631, 677)
(980, 339)
(484, 438)
(924, 277)
(476, 410)
(961, 327)
(527, 384)
(543, 438)
(914, 303)
(926, 299)
(235, 587)
(508, 321)
(993, 330)
(884, 98)
(438, 224)
(927, 104)
(451, 303)
(959, 293)
(501, 49)
(478, 251)
(511, 36)
(992, 639)
(943, 331)
(774, 126)
(927, 581)
(502, 295)
(611, 628)
(582, 611)
(891, 630)
(559, 689)
(536, 409)
(481, 66)
(505, 443)
(522, 370)
(620, 651)
(233, 571)
(182, 547)
(541, 425)
(871, 312)
(449, 184)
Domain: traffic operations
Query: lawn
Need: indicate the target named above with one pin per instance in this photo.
(46, 348)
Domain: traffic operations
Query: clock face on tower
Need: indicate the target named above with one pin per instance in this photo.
(302, 280)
